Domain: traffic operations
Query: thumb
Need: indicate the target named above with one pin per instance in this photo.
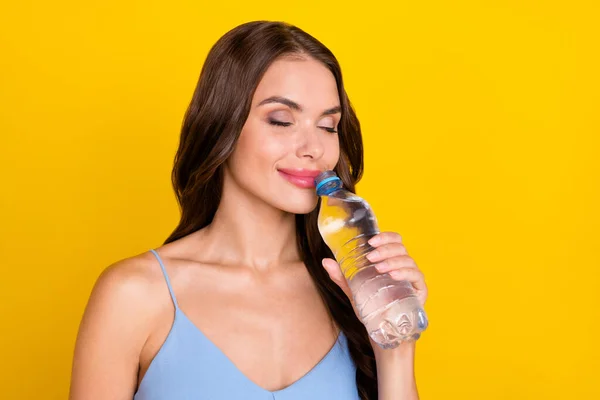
(336, 275)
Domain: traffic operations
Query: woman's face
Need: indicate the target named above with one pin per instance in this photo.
(290, 135)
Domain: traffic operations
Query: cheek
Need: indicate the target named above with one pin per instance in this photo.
(257, 149)
(332, 153)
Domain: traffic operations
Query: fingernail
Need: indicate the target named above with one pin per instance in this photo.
(373, 241)
(381, 267)
(395, 274)
(373, 256)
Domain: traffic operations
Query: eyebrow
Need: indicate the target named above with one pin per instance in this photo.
(295, 106)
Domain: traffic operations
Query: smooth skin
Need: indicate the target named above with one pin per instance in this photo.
(242, 276)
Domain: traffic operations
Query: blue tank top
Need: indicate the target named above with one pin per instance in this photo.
(189, 366)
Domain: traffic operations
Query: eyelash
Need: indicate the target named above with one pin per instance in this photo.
(279, 123)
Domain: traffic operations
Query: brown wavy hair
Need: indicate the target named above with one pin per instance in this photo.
(212, 124)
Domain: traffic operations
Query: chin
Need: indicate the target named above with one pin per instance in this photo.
(300, 205)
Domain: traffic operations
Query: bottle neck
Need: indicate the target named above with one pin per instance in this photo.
(327, 182)
(330, 187)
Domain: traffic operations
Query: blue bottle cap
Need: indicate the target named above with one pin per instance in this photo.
(327, 182)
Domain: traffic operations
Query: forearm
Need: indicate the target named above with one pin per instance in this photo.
(395, 372)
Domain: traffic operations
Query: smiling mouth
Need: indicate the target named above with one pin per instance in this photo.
(304, 179)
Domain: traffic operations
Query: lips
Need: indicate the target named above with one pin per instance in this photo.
(303, 178)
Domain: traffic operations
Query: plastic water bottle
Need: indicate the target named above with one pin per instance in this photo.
(388, 308)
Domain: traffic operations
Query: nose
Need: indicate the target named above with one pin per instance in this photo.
(310, 144)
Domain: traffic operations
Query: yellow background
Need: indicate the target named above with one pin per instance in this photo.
(481, 123)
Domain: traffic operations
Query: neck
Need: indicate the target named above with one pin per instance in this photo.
(246, 231)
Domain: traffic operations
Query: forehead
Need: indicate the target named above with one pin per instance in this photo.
(305, 81)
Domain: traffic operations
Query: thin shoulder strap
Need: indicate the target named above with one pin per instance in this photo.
(164, 270)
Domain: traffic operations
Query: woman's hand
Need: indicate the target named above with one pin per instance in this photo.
(395, 368)
(389, 256)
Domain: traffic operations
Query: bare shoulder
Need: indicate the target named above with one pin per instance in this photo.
(122, 309)
(132, 277)
(129, 290)
(139, 278)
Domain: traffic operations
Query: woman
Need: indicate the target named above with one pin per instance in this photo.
(244, 300)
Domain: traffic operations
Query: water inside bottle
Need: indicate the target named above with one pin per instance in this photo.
(388, 308)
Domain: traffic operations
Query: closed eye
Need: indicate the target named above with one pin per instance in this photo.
(279, 123)
(330, 130)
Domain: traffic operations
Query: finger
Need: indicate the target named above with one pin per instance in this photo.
(385, 237)
(412, 275)
(336, 275)
(387, 251)
(397, 262)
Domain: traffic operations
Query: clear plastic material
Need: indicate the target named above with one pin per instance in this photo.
(388, 308)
